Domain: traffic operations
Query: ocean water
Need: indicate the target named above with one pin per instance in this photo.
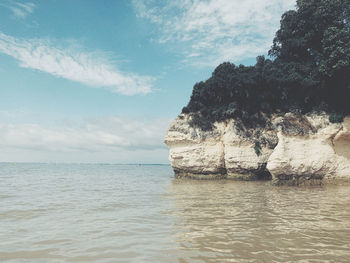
(140, 213)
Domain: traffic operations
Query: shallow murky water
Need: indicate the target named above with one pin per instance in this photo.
(132, 213)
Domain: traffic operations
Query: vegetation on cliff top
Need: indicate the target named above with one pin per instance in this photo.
(308, 70)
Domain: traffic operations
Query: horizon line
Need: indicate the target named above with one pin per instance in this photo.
(88, 163)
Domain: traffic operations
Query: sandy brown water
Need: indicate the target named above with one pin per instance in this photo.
(132, 213)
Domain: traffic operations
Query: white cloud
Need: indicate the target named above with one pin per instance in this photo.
(97, 135)
(20, 10)
(214, 31)
(111, 139)
(71, 63)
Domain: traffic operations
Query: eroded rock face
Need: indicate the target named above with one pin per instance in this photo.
(193, 152)
(220, 153)
(296, 150)
(314, 156)
(240, 157)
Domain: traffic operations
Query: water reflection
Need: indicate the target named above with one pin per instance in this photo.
(227, 221)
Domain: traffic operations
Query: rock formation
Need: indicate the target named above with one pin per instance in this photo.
(292, 149)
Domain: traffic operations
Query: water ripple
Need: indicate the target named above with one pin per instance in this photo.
(114, 213)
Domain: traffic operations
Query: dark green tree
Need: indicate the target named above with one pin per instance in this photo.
(309, 70)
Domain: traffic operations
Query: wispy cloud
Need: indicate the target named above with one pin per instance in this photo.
(91, 69)
(214, 31)
(99, 135)
(19, 9)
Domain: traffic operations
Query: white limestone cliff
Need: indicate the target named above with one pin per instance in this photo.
(295, 149)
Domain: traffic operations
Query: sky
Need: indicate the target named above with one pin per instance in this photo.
(99, 81)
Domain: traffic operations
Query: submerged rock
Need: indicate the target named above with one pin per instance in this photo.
(294, 149)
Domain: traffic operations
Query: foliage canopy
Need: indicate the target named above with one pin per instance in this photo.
(308, 70)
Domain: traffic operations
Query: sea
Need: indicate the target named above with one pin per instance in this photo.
(140, 213)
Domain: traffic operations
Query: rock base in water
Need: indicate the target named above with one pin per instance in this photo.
(293, 149)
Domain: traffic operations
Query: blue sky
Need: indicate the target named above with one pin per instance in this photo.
(100, 81)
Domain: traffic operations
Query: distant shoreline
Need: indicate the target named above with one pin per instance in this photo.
(58, 163)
